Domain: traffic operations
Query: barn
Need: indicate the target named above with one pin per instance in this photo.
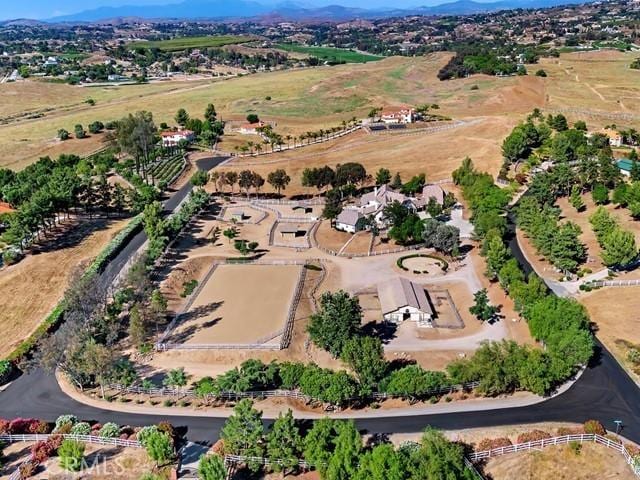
(401, 300)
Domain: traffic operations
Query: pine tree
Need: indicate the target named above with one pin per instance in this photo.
(576, 199)
(396, 183)
(497, 255)
(243, 433)
(211, 467)
(343, 464)
(284, 443)
(482, 309)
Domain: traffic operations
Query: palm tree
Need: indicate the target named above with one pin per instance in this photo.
(288, 137)
(258, 148)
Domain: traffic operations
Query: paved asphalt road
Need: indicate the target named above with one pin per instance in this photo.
(604, 392)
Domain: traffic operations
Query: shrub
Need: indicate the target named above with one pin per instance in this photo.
(27, 425)
(167, 428)
(532, 436)
(575, 447)
(594, 427)
(11, 257)
(55, 441)
(4, 426)
(38, 426)
(41, 451)
(27, 469)
(144, 433)
(562, 431)
(64, 420)
(81, 428)
(491, 443)
(71, 453)
(109, 430)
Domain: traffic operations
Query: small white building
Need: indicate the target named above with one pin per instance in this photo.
(348, 220)
(615, 139)
(251, 128)
(401, 300)
(172, 139)
(51, 62)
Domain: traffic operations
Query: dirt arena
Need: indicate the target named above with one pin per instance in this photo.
(239, 304)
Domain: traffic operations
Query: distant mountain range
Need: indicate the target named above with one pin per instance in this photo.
(237, 9)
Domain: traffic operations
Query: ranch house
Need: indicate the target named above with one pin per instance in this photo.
(401, 300)
(401, 115)
(251, 128)
(352, 218)
(172, 139)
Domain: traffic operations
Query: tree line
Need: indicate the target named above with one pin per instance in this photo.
(562, 324)
(47, 191)
(336, 449)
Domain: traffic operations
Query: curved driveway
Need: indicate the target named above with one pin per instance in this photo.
(604, 392)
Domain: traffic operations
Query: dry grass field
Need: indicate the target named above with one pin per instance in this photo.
(594, 462)
(599, 80)
(239, 304)
(33, 287)
(301, 100)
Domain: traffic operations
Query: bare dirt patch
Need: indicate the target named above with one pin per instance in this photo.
(330, 238)
(560, 462)
(239, 304)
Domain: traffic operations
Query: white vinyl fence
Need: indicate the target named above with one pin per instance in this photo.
(36, 437)
(633, 461)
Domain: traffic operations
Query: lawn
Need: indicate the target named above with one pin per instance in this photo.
(330, 54)
(184, 43)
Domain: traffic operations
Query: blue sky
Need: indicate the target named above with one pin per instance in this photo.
(42, 9)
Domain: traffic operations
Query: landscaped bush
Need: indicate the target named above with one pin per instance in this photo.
(109, 430)
(27, 426)
(11, 257)
(491, 443)
(64, 421)
(81, 428)
(594, 427)
(4, 426)
(145, 432)
(532, 436)
(71, 453)
(27, 469)
(41, 452)
(562, 431)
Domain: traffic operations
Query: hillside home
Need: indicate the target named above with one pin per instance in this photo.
(402, 299)
(401, 115)
(251, 128)
(615, 139)
(172, 139)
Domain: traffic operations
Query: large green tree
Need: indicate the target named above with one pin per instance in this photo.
(243, 433)
(337, 320)
(284, 443)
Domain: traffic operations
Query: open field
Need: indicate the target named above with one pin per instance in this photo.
(612, 309)
(594, 462)
(33, 287)
(239, 304)
(301, 100)
(329, 54)
(598, 80)
(184, 43)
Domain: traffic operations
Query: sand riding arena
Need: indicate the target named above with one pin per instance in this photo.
(239, 306)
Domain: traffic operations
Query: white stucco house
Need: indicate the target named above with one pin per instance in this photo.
(172, 139)
(401, 300)
(402, 115)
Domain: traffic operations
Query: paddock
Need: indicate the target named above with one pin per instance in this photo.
(238, 305)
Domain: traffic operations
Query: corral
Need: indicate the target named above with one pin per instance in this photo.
(244, 304)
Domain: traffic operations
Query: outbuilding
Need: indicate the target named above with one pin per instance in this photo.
(401, 300)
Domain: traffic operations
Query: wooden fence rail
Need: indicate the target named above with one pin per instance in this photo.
(296, 394)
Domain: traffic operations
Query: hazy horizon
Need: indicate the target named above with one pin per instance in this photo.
(45, 9)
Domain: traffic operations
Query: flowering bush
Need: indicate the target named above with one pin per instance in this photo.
(27, 469)
(65, 422)
(145, 432)
(4, 426)
(55, 441)
(26, 425)
(491, 443)
(109, 430)
(532, 436)
(41, 451)
(81, 428)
